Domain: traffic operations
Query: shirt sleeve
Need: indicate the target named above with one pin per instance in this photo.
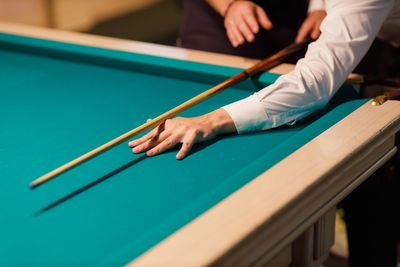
(316, 5)
(347, 32)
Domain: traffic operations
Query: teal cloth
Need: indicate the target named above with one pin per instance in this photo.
(59, 101)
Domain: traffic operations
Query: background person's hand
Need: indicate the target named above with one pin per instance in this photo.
(243, 20)
(310, 26)
(187, 131)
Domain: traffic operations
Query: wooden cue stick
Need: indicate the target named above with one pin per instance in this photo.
(257, 68)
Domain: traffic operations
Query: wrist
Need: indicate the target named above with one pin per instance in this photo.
(220, 122)
(230, 3)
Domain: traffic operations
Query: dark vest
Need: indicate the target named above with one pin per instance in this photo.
(203, 28)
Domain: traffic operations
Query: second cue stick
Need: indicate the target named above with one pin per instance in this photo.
(257, 68)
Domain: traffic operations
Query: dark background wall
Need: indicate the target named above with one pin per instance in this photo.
(158, 23)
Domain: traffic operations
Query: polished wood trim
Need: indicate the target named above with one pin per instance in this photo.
(260, 214)
(147, 48)
(128, 45)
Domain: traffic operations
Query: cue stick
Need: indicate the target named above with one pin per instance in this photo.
(263, 65)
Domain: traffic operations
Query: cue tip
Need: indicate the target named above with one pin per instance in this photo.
(31, 186)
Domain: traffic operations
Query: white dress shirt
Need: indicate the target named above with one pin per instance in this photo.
(347, 32)
(316, 5)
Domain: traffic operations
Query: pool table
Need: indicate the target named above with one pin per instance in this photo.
(258, 199)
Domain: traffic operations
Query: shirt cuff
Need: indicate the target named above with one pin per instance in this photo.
(248, 115)
(316, 5)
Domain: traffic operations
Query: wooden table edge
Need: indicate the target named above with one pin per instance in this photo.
(127, 45)
(147, 48)
(218, 238)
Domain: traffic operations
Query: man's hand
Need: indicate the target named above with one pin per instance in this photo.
(310, 26)
(187, 131)
(242, 20)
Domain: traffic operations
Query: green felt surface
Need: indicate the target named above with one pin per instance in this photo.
(58, 101)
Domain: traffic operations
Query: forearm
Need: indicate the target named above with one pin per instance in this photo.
(347, 33)
(219, 121)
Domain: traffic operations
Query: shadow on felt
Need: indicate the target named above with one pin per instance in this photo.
(90, 185)
(195, 149)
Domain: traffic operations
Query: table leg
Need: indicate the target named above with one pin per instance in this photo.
(312, 247)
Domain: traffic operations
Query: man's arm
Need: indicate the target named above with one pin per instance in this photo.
(347, 33)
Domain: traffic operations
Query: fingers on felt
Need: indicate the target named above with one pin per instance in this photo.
(139, 148)
(187, 144)
(162, 146)
(151, 135)
(263, 18)
(151, 142)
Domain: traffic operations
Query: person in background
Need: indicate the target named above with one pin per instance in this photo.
(347, 32)
(254, 29)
